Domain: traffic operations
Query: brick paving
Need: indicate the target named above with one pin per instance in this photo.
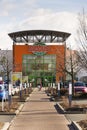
(39, 113)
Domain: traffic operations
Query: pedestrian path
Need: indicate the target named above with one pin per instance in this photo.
(39, 113)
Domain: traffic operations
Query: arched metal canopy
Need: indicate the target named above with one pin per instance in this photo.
(32, 36)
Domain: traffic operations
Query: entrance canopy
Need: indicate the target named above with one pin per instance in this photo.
(33, 36)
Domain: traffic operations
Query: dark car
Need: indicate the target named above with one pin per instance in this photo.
(80, 87)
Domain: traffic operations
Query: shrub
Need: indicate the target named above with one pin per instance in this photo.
(63, 91)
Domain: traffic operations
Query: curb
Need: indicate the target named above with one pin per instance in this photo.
(6, 126)
(62, 111)
(27, 99)
(68, 111)
(19, 109)
(59, 108)
(76, 126)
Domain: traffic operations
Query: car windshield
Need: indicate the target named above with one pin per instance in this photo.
(79, 84)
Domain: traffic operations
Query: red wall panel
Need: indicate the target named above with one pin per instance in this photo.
(58, 50)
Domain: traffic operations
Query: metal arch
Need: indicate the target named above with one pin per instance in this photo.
(33, 36)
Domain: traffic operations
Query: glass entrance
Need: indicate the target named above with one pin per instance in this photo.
(39, 69)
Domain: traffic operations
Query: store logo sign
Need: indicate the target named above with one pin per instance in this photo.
(38, 48)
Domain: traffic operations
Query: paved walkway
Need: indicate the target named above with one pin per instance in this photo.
(39, 113)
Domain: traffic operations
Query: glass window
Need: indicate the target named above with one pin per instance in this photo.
(33, 64)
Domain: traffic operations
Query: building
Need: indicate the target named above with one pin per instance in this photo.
(36, 55)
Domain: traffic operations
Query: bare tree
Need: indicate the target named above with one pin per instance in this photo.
(82, 40)
(6, 63)
(70, 68)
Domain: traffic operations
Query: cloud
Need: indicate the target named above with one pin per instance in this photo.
(6, 7)
(45, 19)
(16, 7)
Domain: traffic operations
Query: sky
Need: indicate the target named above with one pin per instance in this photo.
(57, 15)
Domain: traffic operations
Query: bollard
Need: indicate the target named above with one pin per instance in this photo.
(25, 87)
(58, 89)
(28, 87)
(3, 99)
(70, 94)
(9, 95)
(20, 87)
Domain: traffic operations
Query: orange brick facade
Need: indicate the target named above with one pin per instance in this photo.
(58, 50)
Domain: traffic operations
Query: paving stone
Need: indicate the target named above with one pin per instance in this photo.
(39, 113)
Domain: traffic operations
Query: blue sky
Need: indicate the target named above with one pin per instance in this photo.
(18, 15)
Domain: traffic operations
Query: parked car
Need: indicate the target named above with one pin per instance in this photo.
(3, 92)
(86, 84)
(80, 87)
